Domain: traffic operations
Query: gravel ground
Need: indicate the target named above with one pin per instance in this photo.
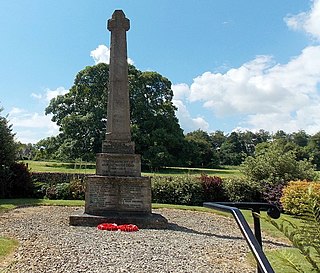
(194, 242)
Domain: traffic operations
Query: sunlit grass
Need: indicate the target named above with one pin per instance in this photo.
(89, 168)
(7, 246)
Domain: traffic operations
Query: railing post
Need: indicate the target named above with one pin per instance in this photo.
(257, 229)
(254, 240)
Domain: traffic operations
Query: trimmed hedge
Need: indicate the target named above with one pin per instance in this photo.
(56, 178)
(181, 190)
(190, 190)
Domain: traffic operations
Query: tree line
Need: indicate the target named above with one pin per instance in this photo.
(81, 116)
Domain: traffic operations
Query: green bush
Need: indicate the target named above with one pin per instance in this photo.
(273, 165)
(59, 191)
(241, 190)
(15, 181)
(182, 190)
(297, 195)
(55, 178)
(39, 189)
(77, 189)
(212, 188)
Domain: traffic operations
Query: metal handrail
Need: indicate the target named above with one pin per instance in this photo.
(262, 262)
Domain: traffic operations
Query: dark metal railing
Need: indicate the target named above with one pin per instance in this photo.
(254, 241)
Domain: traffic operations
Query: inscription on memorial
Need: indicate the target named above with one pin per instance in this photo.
(118, 194)
(114, 165)
(133, 196)
(102, 195)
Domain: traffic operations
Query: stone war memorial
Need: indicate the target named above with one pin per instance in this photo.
(118, 193)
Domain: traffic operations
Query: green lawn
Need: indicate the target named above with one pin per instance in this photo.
(53, 166)
(89, 168)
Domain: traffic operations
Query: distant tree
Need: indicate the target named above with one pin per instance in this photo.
(217, 138)
(25, 151)
(301, 138)
(48, 148)
(273, 165)
(8, 148)
(201, 152)
(313, 149)
(232, 151)
(81, 114)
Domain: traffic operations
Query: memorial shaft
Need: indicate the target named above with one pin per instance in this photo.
(118, 116)
(117, 193)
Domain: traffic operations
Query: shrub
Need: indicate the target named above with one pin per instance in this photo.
(305, 236)
(297, 195)
(15, 181)
(183, 190)
(39, 189)
(212, 188)
(273, 165)
(272, 194)
(77, 189)
(59, 191)
(241, 190)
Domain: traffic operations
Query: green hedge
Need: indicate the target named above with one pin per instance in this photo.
(56, 178)
(181, 190)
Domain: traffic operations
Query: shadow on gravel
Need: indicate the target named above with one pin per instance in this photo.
(176, 227)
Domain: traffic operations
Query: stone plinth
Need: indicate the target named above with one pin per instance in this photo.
(151, 220)
(120, 200)
(118, 165)
(106, 195)
(118, 147)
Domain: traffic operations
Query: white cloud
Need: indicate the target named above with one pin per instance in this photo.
(186, 121)
(102, 55)
(180, 91)
(36, 96)
(273, 96)
(31, 127)
(50, 94)
(307, 21)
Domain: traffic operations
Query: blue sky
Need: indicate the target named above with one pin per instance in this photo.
(234, 65)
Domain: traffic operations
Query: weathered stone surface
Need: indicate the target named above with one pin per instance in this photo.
(118, 147)
(118, 117)
(108, 195)
(118, 165)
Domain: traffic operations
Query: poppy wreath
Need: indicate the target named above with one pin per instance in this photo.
(108, 226)
(115, 227)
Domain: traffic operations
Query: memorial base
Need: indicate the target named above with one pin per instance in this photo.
(142, 221)
(120, 200)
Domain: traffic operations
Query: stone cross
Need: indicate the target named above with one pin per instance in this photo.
(118, 136)
(118, 193)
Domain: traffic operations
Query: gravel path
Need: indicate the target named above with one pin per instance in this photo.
(194, 242)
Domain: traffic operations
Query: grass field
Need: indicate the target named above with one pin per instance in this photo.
(89, 168)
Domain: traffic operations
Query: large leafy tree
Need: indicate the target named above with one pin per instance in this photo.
(81, 115)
